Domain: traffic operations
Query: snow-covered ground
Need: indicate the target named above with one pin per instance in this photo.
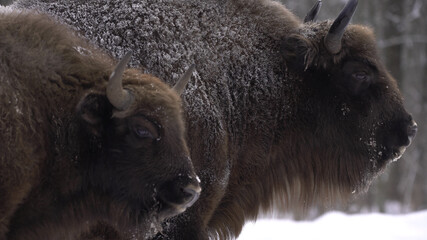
(336, 225)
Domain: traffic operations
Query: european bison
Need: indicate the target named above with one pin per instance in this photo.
(282, 112)
(77, 147)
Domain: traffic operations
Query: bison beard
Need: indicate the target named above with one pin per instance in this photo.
(81, 150)
(281, 112)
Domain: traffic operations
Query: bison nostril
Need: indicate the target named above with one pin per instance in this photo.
(412, 131)
(181, 192)
(193, 193)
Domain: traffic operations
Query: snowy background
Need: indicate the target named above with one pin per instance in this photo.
(339, 226)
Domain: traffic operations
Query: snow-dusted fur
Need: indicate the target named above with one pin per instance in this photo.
(271, 115)
(68, 158)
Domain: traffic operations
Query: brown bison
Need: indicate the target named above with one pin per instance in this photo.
(77, 147)
(282, 112)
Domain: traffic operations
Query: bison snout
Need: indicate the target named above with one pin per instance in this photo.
(409, 132)
(179, 194)
(404, 132)
(193, 193)
(412, 131)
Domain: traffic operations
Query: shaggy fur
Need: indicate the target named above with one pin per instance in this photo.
(273, 118)
(68, 158)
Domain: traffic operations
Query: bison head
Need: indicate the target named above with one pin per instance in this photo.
(349, 110)
(141, 159)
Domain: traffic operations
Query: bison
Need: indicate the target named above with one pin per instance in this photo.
(282, 112)
(79, 146)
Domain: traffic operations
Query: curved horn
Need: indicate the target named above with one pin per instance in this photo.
(182, 82)
(333, 38)
(119, 97)
(314, 11)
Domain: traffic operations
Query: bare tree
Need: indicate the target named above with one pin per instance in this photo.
(5, 2)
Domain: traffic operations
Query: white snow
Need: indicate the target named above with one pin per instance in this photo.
(336, 225)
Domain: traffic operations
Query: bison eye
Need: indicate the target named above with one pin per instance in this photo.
(143, 132)
(362, 76)
(362, 81)
(143, 128)
(356, 77)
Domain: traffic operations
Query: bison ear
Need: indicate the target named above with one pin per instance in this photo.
(94, 109)
(294, 50)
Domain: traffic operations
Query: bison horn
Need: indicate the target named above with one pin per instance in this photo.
(119, 97)
(333, 38)
(182, 82)
(314, 11)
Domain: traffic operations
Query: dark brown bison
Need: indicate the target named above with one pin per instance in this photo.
(282, 112)
(77, 148)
